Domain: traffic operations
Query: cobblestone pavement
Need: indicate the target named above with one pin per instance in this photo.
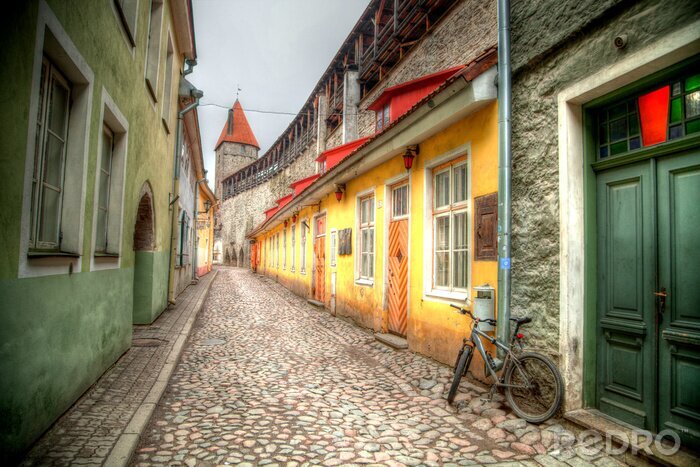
(267, 378)
(88, 432)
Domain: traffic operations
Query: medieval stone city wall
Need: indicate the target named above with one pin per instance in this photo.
(243, 212)
(461, 36)
(545, 64)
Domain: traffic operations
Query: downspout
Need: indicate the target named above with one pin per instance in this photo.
(504, 172)
(185, 89)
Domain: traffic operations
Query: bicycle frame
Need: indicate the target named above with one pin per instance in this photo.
(510, 359)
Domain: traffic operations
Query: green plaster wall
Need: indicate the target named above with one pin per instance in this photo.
(58, 335)
(150, 285)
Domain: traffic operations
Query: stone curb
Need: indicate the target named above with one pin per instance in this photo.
(126, 443)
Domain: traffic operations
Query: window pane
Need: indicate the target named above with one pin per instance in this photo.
(386, 115)
(442, 268)
(442, 189)
(53, 165)
(104, 191)
(460, 269)
(364, 242)
(106, 163)
(370, 266)
(400, 201)
(442, 233)
(365, 265)
(370, 240)
(101, 240)
(48, 231)
(460, 231)
(460, 182)
(58, 109)
(371, 209)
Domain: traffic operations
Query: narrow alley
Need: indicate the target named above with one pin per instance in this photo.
(267, 378)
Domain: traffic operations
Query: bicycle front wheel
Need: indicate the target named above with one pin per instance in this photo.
(460, 370)
(535, 388)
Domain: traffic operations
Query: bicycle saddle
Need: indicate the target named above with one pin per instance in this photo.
(523, 320)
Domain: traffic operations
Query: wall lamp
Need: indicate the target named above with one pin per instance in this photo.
(410, 154)
(207, 206)
(339, 189)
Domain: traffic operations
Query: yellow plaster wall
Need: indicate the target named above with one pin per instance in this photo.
(434, 328)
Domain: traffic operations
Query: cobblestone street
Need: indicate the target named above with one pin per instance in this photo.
(267, 378)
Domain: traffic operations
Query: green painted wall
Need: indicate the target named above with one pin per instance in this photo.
(150, 285)
(59, 333)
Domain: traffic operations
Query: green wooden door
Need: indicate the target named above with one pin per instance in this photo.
(648, 361)
(678, 182)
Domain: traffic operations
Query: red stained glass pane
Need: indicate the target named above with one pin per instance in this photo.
(653, 115)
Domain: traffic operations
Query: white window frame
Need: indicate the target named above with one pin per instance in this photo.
(284, 248)
(124, 14)
(430, 292)
(277, 250)
(51, 40)
(155, 30)
(167, 107)
(359, 278)
(183, 257)
(334, 247)
(294, 234)
(117, 123)
(302, 248)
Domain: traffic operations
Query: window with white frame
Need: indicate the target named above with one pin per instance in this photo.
(153, 48)
(366, 237)
(167, 110)
(450, 230)
(294, 252)
(128, 13)
(183, 256)
(284, 249)
(334, 247)
(49, 159)
(270, 256)
(302, 241)
(383, 119)
(105, 177)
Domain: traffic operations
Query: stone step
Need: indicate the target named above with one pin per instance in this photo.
(315, 302)
(392, 340)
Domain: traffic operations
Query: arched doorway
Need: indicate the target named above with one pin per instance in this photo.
(241, 258)
(144, 246)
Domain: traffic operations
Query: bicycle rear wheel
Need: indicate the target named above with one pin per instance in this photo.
(460, 370)
(539, 387)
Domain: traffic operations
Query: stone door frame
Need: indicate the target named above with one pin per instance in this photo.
(665, 52)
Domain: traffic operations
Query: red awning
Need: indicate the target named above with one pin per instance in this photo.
(300, 185)
(338, 153)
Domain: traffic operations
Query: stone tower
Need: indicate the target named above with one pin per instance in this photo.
(236, 148)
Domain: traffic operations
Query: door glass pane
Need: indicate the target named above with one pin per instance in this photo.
(460, 182)
(53, 166)
(48, 230)
(442, 189)
(400, 201)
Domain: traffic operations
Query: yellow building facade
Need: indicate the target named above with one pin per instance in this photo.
(398, 247)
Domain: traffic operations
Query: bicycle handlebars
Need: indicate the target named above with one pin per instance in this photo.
(464, 311)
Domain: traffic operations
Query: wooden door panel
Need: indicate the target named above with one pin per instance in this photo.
(398, 277)
(679, 273)
(626, 330)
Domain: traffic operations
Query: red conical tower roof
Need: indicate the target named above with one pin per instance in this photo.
(236, 129)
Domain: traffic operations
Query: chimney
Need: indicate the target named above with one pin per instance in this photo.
(230, 122)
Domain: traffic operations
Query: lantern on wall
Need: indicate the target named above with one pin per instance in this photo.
(285, 223)
(294, 218)
(339, 189)
(408, 156)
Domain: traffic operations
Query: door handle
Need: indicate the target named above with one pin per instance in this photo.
(661, 294)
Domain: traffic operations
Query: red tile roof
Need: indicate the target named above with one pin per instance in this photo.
(236, 129)
(335, 155)
(430, 82)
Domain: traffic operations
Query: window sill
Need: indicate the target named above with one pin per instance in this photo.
(106, 255)
(446, 295)
(166, 127)
(365, 282)
(45, 254)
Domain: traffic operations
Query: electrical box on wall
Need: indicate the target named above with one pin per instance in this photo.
(484, 305)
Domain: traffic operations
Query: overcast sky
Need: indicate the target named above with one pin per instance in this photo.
(275, 50)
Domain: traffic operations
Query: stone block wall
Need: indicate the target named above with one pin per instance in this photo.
(240, 214)
(231, 157)
(550, 53)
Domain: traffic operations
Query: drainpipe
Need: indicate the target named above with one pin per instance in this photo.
(196, 246)
(185, 89)
(504, 172)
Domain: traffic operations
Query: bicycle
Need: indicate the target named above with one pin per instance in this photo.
(533, 385)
